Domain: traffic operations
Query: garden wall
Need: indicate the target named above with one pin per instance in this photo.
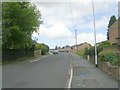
(13, 54)
(113, 71)
(37, 53)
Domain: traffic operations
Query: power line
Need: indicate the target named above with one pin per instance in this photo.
(71, 13)
(73, 25)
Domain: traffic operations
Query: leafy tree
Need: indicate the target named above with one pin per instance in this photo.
(44, 48)
(19, 21)
(101, 45)
(112, 20)
(107, 35)
(92, 51)
(86, 51)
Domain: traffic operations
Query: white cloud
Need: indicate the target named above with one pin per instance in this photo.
(57, 31)
(73, 0)
(100, 23)
(58, 20)
(53, 12)
(67, 36)
(89, 37)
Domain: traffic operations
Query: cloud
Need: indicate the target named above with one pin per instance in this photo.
(99, 23)
(73, 0)
(59, 32)
(56, 31)
(89, 37)
(53, 12)
(58, 23)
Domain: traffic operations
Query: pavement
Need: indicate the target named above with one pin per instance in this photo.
(86, 75)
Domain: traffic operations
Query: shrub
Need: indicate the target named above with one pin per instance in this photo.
(109, 56)
(80, 53)
(44, 48)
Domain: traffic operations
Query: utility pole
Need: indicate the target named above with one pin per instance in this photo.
(96, 61)
(75, 40)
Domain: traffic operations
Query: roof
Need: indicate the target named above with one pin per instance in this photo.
(81, 44)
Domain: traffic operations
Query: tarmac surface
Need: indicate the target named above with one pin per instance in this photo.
(86, 75)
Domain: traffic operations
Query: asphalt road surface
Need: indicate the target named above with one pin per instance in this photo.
(51, 71)
(48, 72)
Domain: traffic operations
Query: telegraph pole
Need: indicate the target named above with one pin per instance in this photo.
(96, 61)
(75, 40)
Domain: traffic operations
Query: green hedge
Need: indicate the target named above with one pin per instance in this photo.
(109, 56)
(44, 48)
(80, 53)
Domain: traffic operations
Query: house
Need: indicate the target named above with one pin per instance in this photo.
(114, 33)
(114, 36)
(79, 47)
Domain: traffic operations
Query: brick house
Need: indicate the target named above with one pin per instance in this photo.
(114, 33)
(114, 36)
(79, 47)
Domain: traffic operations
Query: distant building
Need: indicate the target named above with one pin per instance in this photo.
(64, 48)
(79, 47)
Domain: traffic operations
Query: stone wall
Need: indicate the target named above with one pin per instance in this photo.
(37, 53)
(109, 69)
(113, 48)
(113, 71)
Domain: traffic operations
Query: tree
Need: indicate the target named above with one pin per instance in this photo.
(44, 48)
(107, 35)
(112, 20)
(86, 52)
(19, 21)
(101, 45)
(91, 51)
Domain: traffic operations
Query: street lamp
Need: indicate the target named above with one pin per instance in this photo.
(75, 41)
(96, 61)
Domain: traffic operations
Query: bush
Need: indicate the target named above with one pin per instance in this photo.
(80, 53)
(44, 48)
(90, 52)
(109, 56)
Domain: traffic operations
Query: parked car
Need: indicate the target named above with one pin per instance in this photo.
(55, 52)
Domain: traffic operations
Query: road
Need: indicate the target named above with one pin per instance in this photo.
(52, 71)
(48, 72)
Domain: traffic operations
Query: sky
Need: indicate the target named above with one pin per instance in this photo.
(61, 18)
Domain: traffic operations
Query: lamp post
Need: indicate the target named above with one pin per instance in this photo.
(96, 61)
(75, 41)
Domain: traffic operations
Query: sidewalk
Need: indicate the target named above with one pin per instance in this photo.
(86, 75)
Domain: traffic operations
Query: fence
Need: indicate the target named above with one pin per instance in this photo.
(13, 54)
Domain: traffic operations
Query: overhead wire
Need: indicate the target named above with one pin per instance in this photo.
(73, 25)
